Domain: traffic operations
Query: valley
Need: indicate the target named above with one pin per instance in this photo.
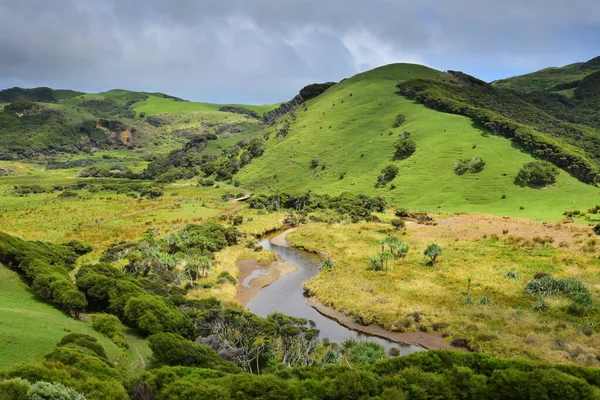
(142, 250)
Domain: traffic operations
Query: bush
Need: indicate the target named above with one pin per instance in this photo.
(110, 326)
(537, 174)
(398, 224)
(226, 277)
(14, 389)
(473, 165)
(387, 175)
(405, 148)
(366, 353)
(50, 391)
(400, 119)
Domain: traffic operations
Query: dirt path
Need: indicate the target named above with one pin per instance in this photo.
(142, 360)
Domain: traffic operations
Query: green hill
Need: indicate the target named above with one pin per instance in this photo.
(350, 131)
(47, 122)
(550, 79)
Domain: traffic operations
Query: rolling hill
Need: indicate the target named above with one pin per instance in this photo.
(551, 79)
(350, 131)
(47, 122)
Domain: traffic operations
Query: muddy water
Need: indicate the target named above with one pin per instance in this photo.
(286, 295)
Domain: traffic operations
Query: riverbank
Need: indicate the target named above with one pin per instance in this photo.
(255, 276)
(426, 340)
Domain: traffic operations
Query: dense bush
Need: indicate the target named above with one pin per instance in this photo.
(577, 291)
(537, 174)
(240, 110)
(110, 326)
(46, 268)
(357, 206)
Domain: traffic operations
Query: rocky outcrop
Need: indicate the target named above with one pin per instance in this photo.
(307, 93)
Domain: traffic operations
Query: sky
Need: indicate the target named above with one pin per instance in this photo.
(264, 51)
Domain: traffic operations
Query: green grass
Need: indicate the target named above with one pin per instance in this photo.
(30, 328)
(548, 78)
(157, 105)
(353, 137)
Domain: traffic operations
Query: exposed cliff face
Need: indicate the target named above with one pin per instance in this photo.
(306, 93)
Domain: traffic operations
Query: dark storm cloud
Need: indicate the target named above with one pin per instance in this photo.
(264, 50)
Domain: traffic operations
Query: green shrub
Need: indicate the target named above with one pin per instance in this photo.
(110, 326)
(537, 174)
(404, 148)
(473, 165)
(50, 391)
(387, 175)
(366, 353)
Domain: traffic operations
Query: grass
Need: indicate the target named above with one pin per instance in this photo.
(350, 129)
(156, 105)
(548, 78)
(30, 328)
(473, 247)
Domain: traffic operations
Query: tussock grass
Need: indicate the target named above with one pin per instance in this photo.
(506, 326)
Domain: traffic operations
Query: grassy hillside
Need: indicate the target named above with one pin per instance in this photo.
(550, 79)
(350, 129)
(31, 328)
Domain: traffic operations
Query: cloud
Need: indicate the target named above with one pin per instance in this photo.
(263, 51)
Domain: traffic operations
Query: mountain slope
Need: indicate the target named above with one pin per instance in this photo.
(350, 129)
(550, 79)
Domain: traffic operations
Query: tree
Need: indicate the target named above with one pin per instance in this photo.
(433, 251)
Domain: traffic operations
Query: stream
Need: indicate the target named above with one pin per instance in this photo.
(286, 295)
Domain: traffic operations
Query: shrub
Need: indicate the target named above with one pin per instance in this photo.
(473, 165)
(14, 389)
(405, 148)
(596, 229)
(366, 353)
(387, 175)
(226, 277)
(398, 224)
(315, 163)
(400, 119)
(49, 391)
(110, 326)
(540, 305)
(67, 194)
(537, 174)
(512, 275)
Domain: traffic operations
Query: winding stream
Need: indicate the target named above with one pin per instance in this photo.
(286, 295)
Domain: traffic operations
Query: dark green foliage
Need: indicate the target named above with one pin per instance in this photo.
(46, 267)
(171, 349)
(400, 118)
(107, 108)
(387, 175)
(596, 229)
(38, 95)
(363, 353)
(79, 368)
(110, 326)
(240, 110)
(537, 174)
(356, 206)
(82, 340)
(14, 389)
(473, 165)
(152, 315)
(570, 147)
(569, 287)
(405, 147)
(315, 89)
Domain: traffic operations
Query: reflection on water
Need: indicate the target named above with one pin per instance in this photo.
(286, 295)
